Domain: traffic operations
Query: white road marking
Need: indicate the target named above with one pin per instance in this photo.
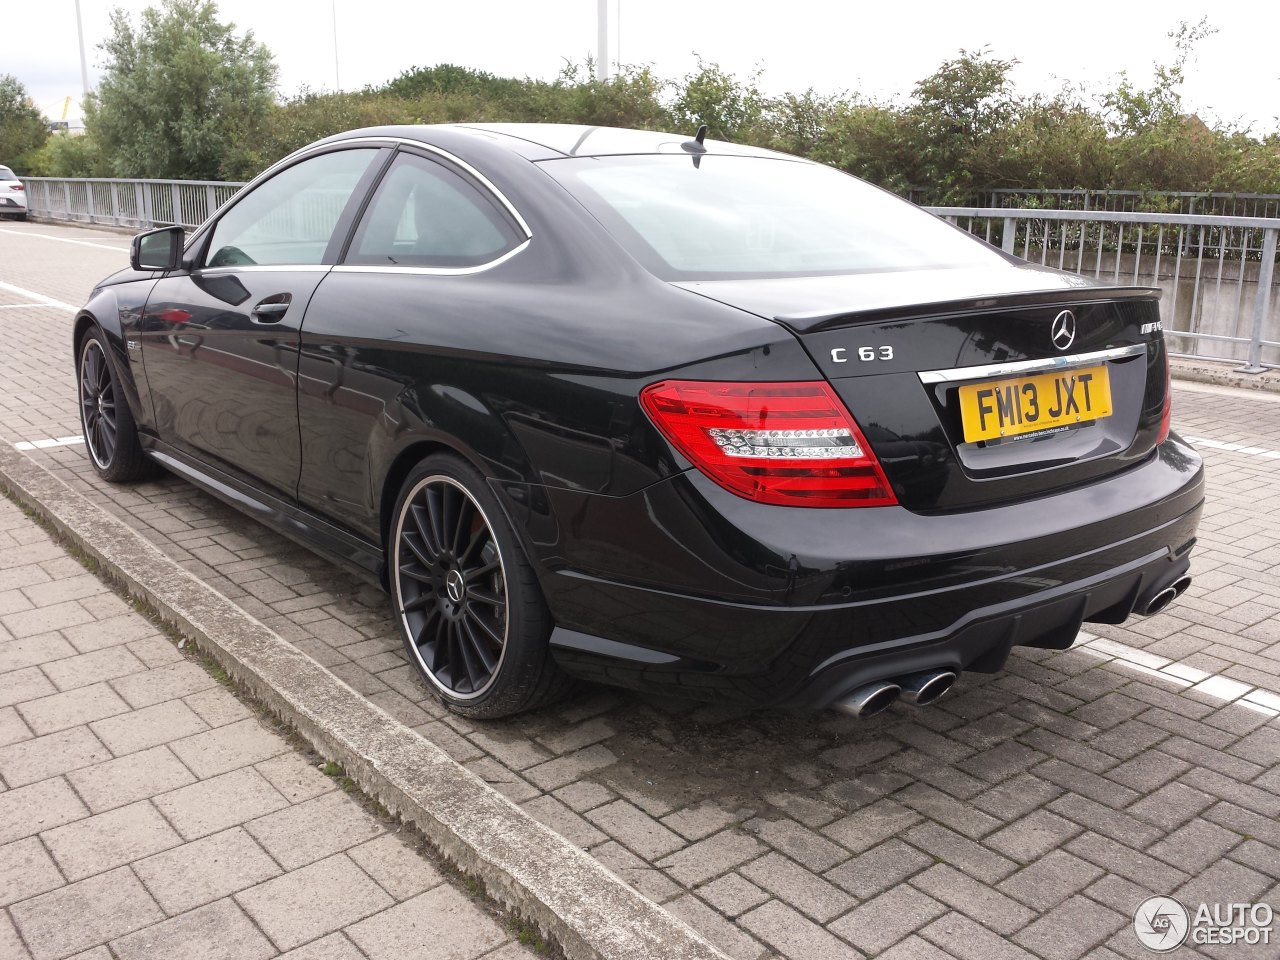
(1180, 675)
(47, 442)
(40, 299)
(82, 243)
(1234, 447)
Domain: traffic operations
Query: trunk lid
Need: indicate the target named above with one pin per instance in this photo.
(953, 374)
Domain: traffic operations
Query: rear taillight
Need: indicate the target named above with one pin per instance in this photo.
(786, 443)
(16, 186)
(1166, 414)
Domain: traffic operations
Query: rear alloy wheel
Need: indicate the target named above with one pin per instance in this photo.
(110, 433)
(471, 613)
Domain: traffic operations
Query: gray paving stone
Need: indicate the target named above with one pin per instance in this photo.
(71, 709)
(799, 843)
(1050, 880)
(148, 727)
(31, 651)
(294, 777)
(699, 862)
(211, 805)
(109, 839)
(635, 829)
(879, 868)
(947, 846)
(90, 668)
(42, 757)
(11, 945)
(732, 894)
(1032, 836)
(967, 939)
(336, 946)
(728, 937)
(217, 706)
(226, 748)
(566, 769)
(81, 915)
(129, 778)
(205, 870)
(792, 884)
(398, 868)
(306, 832)
(878, 924)
(26, 623)
(972, 898)
(28, 683)
(219, 931)
(433, 925)
(314, 900)
(872, 824)
(794, 936)
(25, 871)
(12, 727)
(1089, 922)
(556, 815)
(163, 683)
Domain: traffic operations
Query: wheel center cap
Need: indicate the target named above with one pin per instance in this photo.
(455, 586)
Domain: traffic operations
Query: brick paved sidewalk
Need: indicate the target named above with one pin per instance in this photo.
(146, 810)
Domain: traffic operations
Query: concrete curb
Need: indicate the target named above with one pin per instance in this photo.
(1223, 373)
(570, 897)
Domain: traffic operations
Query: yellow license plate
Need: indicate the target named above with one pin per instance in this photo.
(1034, 404)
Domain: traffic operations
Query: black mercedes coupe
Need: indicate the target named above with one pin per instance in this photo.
(652, 410)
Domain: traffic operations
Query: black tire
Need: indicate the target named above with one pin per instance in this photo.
(110, 433)
(471, 614)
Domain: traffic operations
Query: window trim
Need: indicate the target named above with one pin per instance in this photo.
(201, 243)
(195, 249)
(463, 169)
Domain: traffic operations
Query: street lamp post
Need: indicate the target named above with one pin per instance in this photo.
(602, 37)
(84, 64)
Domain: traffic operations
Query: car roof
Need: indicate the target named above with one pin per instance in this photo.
(545, 141)
(581, 140)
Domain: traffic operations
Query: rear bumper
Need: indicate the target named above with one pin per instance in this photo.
(685, 589)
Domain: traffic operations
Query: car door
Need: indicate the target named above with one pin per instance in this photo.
(385, 320)
(220, 342)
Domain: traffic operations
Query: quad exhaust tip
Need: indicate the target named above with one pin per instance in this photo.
(1160, 601)
(926, 688)
(869, 700)
(1180, 585)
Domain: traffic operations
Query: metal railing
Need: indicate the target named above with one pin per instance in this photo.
(1192, 203)
(140, 204)
(1218, 273)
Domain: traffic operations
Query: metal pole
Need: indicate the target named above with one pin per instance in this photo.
(84, 63)
(602, 38)
(337, 81)
(1266, 275)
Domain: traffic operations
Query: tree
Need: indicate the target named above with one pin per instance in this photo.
(22, 127)
(181, 97)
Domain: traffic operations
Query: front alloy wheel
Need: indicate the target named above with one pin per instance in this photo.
(105, 418)
(471, 613)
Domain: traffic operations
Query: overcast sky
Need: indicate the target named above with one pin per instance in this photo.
(878, 49)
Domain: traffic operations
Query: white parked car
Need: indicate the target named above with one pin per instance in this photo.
(13, 196)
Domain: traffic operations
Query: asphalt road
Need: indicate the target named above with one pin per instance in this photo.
(1028, 814)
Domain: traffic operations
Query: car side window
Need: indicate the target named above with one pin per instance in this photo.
(423, 214)
(290, 218)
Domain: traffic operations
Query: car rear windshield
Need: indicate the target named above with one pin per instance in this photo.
(6, 174)
(736, 217)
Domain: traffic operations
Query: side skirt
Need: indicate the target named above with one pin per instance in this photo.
(353, 553)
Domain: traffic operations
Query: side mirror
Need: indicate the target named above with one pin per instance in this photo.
(157, 250)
